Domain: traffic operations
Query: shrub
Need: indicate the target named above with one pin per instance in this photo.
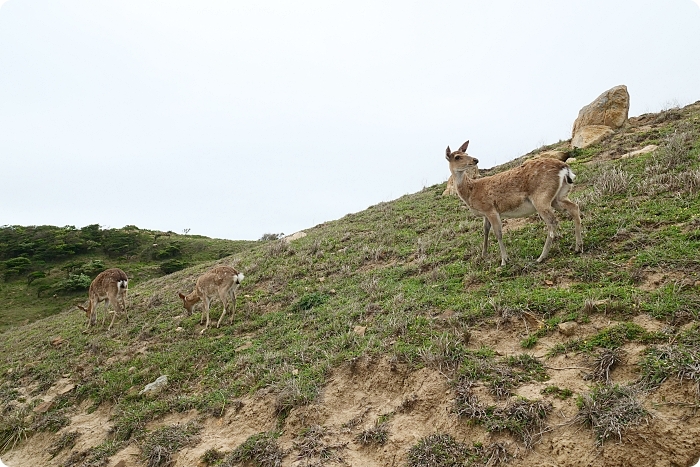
(92, 268)
(271, 236)
(32, 276)
(168, 251)
(16, 266)
(74, 283)
(173, 265)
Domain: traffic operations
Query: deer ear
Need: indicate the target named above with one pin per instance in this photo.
(463, 148)
(180, 295)
(447, 153)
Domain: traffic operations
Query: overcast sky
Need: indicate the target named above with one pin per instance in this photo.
(239, 118)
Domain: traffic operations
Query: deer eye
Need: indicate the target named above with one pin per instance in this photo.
(458, 157)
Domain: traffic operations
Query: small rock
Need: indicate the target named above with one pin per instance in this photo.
(568, 328)
(295, 236)
(44, 407)
(155, 385)
(360, 330)
(245, 346)
(295, 372)
(66, 389)
(179, 329)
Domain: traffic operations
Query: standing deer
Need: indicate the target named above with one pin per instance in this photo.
(109, 286)
(222, 281)
(536, 186)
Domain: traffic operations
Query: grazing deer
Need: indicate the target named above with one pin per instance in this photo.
(109, 286)
(222, 281)
(536, 186)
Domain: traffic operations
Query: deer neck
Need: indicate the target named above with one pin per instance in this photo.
(462, 182)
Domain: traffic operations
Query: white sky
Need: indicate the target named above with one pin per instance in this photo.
(239, 118)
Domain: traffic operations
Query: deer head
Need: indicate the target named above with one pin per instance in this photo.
(459, 160)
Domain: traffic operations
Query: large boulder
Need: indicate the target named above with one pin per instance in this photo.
(590, 134)
(608, 112)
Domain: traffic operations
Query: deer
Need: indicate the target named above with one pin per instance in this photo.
(539, 185)
(110, 286)
(221, 281)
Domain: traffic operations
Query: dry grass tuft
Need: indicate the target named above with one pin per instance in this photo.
(312, 447)
(613, 181)
(609, 410)
(67, 440)
(261, 450)
(378, 434)
(159, 446)
(604, 363)
(441, 450)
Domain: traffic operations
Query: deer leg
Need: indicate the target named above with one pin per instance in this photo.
(547, 215)
(123, 303)
(224, 298)
(205, 306)
(93, 312)
(495, 220)
(104, 316)
(205, 311)
(487, 227)
(114, 315)
(117, 304)
(233, 310)
(575, 213)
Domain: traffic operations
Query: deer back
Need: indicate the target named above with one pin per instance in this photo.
(108, 282)
(221, 277)
(512, 190)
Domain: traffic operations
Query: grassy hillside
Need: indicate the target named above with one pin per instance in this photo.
(402, 283)
(45, 269)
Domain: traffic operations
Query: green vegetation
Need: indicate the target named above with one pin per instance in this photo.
(557, 392)
(500, 376)
(442, 450)
(45, 269)
(679, 359)
(261, 450)
(401, 282)
(611, 338)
